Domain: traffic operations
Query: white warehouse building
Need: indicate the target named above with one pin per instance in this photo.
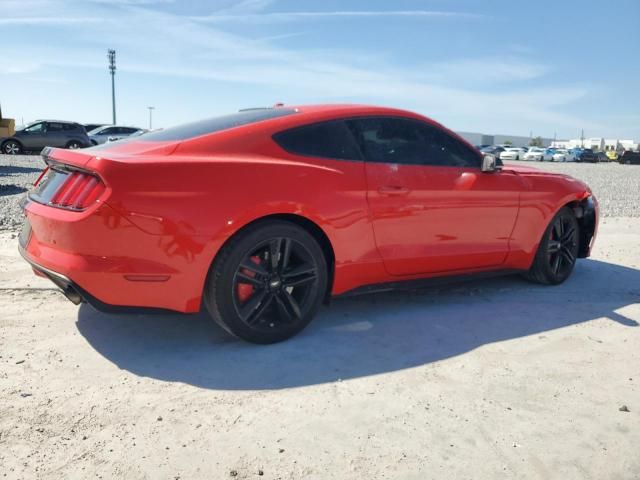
(515, 140)
(597, 143)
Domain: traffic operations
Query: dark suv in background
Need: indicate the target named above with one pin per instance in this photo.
(45, 133)
(629, 157)
(586, 155)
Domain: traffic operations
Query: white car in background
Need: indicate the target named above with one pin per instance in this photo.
(513, 153)
(111, 133)
(563, 155)
(537, 153)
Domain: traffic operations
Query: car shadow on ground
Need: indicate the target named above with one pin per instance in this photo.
(12, 170)
(365, 335)
(11, 190)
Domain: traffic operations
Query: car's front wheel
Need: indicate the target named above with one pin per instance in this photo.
(558, 250)
(74, 145)
(11, 147)
(267, 283)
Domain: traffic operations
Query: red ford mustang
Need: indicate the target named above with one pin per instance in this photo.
(263, 214)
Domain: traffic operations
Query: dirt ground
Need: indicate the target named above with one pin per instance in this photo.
(498, 379)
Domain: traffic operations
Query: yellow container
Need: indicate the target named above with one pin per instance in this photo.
(7, 127)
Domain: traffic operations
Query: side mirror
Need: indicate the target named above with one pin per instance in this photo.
(489, 163)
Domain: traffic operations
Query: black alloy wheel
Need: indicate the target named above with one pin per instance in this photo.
(273, 282)
(268, 282)
(562, 246)
(558, 250)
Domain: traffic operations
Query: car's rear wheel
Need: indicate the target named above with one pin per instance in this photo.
(74, 145)
(558, 250)
(267, 283)
(11, 147)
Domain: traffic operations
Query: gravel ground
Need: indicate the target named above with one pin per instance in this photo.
(492, 380)
(617, 187)
(17, 174)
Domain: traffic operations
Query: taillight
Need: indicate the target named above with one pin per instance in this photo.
(79, 190)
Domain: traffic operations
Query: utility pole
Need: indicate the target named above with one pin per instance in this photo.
(112, 68)
(151, 116)
(582, 138)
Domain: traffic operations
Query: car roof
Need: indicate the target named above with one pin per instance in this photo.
(348, 109)
(56, 121)
(119, 126)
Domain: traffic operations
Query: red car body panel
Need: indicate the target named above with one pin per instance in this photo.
(169, 207)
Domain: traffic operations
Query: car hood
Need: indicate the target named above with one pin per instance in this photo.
(527, 170)
(533, 171)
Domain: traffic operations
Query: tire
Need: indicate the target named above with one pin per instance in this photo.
(558, 250)
(73, 145)
(11, 147)
(262, 300)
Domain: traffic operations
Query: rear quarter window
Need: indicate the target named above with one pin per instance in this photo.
(331, 139)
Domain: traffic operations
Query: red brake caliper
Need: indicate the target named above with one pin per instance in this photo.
(245, 290)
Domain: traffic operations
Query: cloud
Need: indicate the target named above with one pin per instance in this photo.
(293, 16)
(246, 6)
(132, 2)
(48, 20)
(492, 69)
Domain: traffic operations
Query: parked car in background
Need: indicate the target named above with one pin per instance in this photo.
(586, 155)
(260, 216)
(576, 152)
(92, 126)
(629, 158)
(601, 157)
(110, 133)
(548, 154)
(538, 153)
(493, 150)
(513, 153)
(563, 155)
(612, 155)
(46, 133)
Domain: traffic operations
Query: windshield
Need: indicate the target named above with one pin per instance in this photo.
(24, 127)
(97, 130)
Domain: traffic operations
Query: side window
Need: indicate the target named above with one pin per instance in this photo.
(68, 127)
(408, 141)
(54, 127)
(108, 131)
(129, 130)
(326, 140)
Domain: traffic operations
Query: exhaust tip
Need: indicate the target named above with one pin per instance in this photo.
(73, 295)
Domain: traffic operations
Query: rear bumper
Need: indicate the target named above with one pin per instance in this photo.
(78, 295)
(61, 281)
(104, 260)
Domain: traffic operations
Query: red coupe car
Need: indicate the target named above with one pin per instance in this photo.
(261, 215)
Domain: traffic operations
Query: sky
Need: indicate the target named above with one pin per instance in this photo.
(497, 67)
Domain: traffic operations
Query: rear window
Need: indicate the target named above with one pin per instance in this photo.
(217, 124)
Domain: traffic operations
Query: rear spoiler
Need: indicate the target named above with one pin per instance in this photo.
(75, 158)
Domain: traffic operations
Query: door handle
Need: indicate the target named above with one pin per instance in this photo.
(392, 190)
